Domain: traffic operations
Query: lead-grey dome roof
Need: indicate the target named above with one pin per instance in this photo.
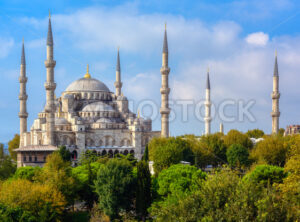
(87, 84)
(97, 107)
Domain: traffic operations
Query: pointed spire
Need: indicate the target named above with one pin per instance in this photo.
(207, 80)
(118, 67)
(23, 62)
(49, 37)
(276, 65)
(165, 46)
(87, 75)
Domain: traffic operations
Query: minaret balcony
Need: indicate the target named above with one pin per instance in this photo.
(275, 114)
(50, 85)
(50, 63)
(164, 90)
(164, 110)
(118, 84)
(23, 97)
(207, 103)
(275, 95)
(165, 70)
(207, 119)
(23, 79)
(23, 115)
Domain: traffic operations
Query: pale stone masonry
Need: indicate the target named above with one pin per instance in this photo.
(87, 116)
(23, 96)
(165, 90)
(275, 99)
(207, 104)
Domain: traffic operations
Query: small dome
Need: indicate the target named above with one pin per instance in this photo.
(61, 121)
(86, 85)
(97, 107)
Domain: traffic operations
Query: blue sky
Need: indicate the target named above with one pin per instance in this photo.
(236, 39)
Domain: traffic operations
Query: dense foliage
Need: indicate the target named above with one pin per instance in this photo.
(225, 178)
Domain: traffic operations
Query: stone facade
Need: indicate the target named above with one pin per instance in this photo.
(87, 116)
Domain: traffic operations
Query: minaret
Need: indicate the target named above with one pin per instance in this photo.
(50, 86)
(165, 90)
(275, 99)
(207, 104)
(221, 128)
(23, 96)
(118, 83)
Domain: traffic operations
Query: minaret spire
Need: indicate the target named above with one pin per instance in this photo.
(207, 103)
(50, 87)
(275, 98)
(165, 90)
(23, 96)
(118, 83)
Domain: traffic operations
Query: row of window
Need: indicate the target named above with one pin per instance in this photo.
(30, 159)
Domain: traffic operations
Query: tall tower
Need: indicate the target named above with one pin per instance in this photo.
(165, 90)
(275, 99)
(118, 83)
(50, 86)
(207, 104)
(23, 96)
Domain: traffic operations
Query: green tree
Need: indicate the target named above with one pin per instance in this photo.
(167, 151)
(7, 167)
(179, 179)
(27, 172)
(217, 148)
(272, 150)
(115, 185)
(143, 192)
(85, 175)
(237, 156)
(266, 174)
(57, 174)
(43, 201)
(146, 154)
(255, 133)
(14, 144)
(236, 137)
(64, 153)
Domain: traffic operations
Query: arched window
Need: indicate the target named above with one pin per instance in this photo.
(104, 152)
(110, 153)
(30, 158)
(125, 152)
(74, 155)
(35, 159)
(24, 158)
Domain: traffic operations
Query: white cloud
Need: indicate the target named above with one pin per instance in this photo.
(6, 45)
(257, 38)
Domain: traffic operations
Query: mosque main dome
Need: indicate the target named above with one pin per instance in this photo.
(87, 84)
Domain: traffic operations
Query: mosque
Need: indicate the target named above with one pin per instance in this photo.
(87, 116)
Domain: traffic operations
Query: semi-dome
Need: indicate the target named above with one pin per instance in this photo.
(97, 107)
(87, 84)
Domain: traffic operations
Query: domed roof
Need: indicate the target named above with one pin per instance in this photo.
(87, 84)
(97, 107)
